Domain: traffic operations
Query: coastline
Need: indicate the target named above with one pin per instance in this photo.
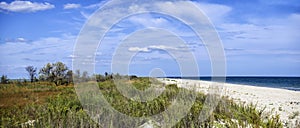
(283, 102)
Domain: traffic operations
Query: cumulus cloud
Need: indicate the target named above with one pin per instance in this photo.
(71, 6)
(25, 6)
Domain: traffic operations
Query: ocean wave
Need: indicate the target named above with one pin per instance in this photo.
(292, 88)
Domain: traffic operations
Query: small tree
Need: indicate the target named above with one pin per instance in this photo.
(100, 78)
(45, 73)
(106, 74)
(55, 72)
(59, 72)
(4, 79)
(32, 72)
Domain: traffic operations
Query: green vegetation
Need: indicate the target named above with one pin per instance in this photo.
(41, 104)
(32, 72)
(4, 79)
(56, 73)
(280, 108)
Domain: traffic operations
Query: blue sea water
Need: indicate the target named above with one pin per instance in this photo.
(290, 83)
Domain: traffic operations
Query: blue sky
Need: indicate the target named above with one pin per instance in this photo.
(259, 37)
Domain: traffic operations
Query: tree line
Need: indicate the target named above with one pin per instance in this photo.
(59, 74)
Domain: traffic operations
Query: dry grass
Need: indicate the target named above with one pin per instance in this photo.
(13, 95)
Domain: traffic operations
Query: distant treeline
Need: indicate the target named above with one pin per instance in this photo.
(59, 74)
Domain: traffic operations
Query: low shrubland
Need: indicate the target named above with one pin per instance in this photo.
(40, 104)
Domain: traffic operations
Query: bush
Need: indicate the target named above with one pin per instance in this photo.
(4, 79)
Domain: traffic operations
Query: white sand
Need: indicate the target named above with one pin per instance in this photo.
(280, 101)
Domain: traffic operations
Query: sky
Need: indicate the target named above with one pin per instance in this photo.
(259, 37)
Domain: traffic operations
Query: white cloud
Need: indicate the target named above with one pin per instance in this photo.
(152, 47)
(25, 6)
(149, 21)
(181, 9)
(154, 42)
(21, 39)
(93, 6)
(96, 5)
(178, 9)
(71, 6)
(137, 49)
(85, 15)
(255, 36)
(36, 53)
(262, 33)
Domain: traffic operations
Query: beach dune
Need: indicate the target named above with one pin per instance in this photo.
(284, 102)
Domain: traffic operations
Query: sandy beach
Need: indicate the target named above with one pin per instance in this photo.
(284, 102)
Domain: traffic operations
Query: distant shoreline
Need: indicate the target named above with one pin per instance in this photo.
(282, 82)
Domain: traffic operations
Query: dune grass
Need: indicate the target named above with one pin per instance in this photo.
(44, 105)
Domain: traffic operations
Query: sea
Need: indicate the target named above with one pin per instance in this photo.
(289, 83)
